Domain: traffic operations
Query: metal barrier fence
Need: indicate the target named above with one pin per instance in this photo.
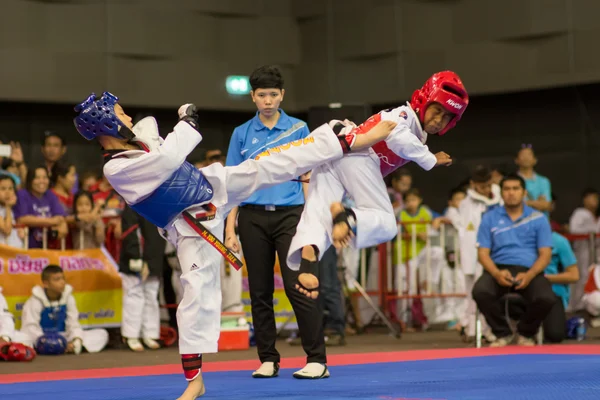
(389, 264)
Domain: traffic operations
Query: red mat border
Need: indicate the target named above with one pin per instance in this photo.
(298, 362)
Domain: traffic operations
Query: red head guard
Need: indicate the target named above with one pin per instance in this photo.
(444, 88)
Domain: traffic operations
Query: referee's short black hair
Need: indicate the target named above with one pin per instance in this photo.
(266, 77)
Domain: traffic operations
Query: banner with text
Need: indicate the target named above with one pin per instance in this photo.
(92, 273)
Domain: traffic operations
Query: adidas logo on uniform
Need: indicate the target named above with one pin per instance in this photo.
(194, 267)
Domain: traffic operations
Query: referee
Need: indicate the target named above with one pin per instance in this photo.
(266, 224)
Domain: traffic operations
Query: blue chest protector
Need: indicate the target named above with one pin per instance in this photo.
(185, 188)
(54, 319)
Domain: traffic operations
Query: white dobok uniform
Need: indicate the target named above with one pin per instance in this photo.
(41, 315)
(360, 175)
(160, 185)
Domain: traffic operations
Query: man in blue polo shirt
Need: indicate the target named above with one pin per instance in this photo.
(266, 224)
(514, 248)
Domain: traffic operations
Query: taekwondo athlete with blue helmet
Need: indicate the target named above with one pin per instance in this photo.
(189, 205)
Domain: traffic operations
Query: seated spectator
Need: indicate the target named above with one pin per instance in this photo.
(563, 229)
(591, 298)
(88, 230)
(10, 347)
(515, 246)
(38, 208)
(561, 272)
(141, 265)
(50, 318)
(9, 235)
(583, 221)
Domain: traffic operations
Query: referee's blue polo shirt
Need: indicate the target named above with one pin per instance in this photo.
(253, 137)
(514, 242)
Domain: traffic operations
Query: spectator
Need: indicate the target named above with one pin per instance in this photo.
(62, 182)
(9, 235)
(561, 272)
(267, 222)
(14, 165)
(141, 265)
(415, 218)
(583, 221)
(481, 195)
(515, 246)
(8, 334)
(112, 206)
(54, 148)
(38, 208)
(330, 295)
(563, 229)
(539, 192)
(457, 195)
(497, 175)
(88, 230)
(591, 298)
(213, 156)
(89, 179)
(51, 311)
(401, 182)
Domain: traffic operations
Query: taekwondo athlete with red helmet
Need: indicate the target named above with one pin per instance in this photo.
(434, 109)
(189, 205)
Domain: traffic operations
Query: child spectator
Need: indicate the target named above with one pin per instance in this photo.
(51, 319)
(88, 231)
(88, 180)
(9, 235)
(62, 183)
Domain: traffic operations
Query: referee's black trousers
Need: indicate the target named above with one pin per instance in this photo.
(262, 234)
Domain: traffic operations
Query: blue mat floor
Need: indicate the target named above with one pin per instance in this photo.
(511, 377)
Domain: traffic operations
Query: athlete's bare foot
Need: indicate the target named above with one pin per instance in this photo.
(341, 235)
(308, 283)
(194, 389)
(376, 134)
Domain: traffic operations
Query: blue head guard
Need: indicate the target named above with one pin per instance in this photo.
(97, 118)
(51, 344)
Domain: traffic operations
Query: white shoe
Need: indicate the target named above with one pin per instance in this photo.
(525, 341)
(134, 344)
(503, 341)
(151, 343)
(312, 371)
(268, 369)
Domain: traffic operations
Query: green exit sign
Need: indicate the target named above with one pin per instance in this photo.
(237, 84)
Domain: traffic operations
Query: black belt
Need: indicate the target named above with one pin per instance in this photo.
(212, 239)
(261, 207)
